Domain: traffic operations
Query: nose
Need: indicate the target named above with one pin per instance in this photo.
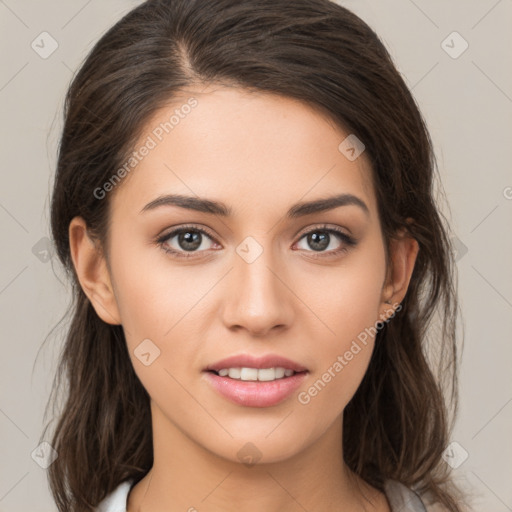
(258, 298)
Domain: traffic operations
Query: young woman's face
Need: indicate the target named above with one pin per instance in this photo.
(251, 282)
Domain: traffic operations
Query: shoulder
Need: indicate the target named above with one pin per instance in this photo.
(403, 499)
(116, 500)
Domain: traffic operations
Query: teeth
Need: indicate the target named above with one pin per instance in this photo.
(254, 374)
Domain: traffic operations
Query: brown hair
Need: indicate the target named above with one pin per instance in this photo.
(398, 422)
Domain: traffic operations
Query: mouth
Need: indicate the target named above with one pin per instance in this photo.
(255, 382)
(255, 393)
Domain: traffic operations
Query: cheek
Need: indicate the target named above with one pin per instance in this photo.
(153, 303)
(161, 303)
(347, 301)
(151, 295)
(345, 298)
(342, 359)
(360, 286)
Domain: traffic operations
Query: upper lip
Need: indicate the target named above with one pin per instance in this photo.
(248, 361)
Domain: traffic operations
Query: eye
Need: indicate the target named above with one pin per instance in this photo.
(186, 239)
(322, 239)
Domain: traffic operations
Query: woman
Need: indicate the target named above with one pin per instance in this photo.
(244, 202)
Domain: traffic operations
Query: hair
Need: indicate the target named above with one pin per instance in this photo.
(398, 423)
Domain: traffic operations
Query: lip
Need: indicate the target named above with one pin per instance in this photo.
(252, 393)
(248, 361)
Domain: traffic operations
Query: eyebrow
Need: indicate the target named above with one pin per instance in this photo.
(218, 208)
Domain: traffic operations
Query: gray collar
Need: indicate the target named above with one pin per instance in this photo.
(401, 498)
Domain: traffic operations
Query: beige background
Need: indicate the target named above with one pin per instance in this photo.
(467, 102)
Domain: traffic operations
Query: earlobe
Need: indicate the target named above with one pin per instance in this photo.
(91, 268)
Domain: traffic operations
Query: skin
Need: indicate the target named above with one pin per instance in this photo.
(259, 154)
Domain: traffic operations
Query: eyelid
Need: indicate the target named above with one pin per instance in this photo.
(174, 231)
(346, 239)
(325, 227)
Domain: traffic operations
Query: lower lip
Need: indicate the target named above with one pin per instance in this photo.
(255, 394)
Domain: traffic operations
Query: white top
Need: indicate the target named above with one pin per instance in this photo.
(401, 499)
(117, 500)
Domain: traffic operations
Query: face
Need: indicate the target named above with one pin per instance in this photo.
(254, 279)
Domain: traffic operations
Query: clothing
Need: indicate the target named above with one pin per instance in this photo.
(401, 499)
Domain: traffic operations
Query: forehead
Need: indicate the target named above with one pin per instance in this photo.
(255, 151)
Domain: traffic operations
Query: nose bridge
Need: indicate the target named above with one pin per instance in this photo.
(259, 299)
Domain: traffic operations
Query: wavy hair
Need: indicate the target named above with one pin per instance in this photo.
(398, 423)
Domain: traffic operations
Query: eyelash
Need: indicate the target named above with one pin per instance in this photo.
(346, 239)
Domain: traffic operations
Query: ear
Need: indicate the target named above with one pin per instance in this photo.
(92, 272)
(403, 252)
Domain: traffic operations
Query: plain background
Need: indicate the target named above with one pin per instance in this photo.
(467, 102)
